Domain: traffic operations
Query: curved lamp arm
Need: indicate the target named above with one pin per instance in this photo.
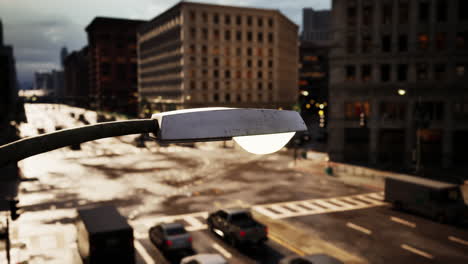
(21, 149)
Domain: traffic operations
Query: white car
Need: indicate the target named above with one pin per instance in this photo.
(204, 259)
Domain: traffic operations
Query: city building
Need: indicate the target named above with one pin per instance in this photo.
(313, 87)
(11, 114)
(398, 83)
(113, 64)
(76, 78)
(201, 55)
(316, 25)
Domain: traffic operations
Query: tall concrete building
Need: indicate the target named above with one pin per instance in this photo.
(199, 55)
(76, 78)
(113, 64)
(398, 84)
(316, 25)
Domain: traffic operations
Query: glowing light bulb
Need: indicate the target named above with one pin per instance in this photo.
(264, 144)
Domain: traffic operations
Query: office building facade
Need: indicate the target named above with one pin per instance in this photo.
(200, 55)
(398, 82)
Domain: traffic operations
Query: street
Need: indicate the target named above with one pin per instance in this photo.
(308, 211)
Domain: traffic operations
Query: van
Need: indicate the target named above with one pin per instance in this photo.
(104, 236)
(444, 202)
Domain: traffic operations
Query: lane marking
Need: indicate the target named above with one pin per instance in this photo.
(296, 208)
(354, 201)
(377, 196)
(265, 211)
(221, 250)
(341, 203)
(327, 205)
(193, 221)
(292, 248)
(458, 240)
(417, 251)
(402, 221)
(281, 210)
(367, 199)
(313, 207)
(143, 253)
(359, 228)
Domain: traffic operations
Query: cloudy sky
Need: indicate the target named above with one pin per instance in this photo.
(38, 29)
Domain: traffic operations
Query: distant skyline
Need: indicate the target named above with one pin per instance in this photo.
(39, 29)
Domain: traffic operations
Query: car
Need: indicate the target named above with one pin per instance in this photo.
(170, 238)
(311, 259)
(204, 259)
(237, 226)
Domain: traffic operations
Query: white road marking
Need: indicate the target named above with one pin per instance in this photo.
(458, 240)
(313, 207)
(223, 251)
(196, 228)
(417, 251)
(143, 253)
(402, 221)
(265, 211)
(296, 208)
(354, 201)
(193, 221)
(327, 205)
(378, 196)
(281, 210)
(359, 228)
(367, 199)
(341, 203)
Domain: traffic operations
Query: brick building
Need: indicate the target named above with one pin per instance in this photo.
(199, 55)
(398, 77)
(76, 78)
(112, 64)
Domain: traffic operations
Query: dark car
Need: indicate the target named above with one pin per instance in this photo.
(170, 237)
(311, 259)
(237, 226)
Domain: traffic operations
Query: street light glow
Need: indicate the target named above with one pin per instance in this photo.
(401, 91)
(305, 93)
(264, 144)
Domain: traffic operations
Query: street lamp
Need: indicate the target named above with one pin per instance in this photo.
(190, 125)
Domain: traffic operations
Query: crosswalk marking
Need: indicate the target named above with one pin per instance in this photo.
(196, 221)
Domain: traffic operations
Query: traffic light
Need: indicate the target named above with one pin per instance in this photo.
(14, 210)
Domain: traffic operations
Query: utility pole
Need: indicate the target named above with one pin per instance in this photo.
(7, 240)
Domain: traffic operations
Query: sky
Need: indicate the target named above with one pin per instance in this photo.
(39, 29)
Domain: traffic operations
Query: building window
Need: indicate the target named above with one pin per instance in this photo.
(192, 49)
(260, 22)
(216, 62)
(355, 110)
(423, 14)
(350, 72)
(423, 41)
(249, 36)
(351, 16)
(204, 61)
(440, 72)
(216, 34)
(193, 74)
(259, 75)
(192, 16)
(239, 36)
(366, 72)
(205, 34)
(204, 17)
(460, 70)
(392, 111)
(260, 37)
(270, 22)
(227, 62)
(227, 19)
(249, 20)
(105, 69)
(227, 35)
(216, 97)
(431, 110)
(204, 49)
(403, 43)
(441, 39)
(215, 73)
(270, 37)
(204, 86)
(462, 40)
(121, 72)
(403, 12)
(193, 33)
(249, 63)
(260, 86)
(462, 9)
(387, 13)
(460, 111)
(422, 71)
(216, 19)
(259, 52)
(366, 44)
(216, 85)
(270, 52)
(387, 43)
(192, 85)
(227, 74)
(385, 70)
(442, 8)
(367, 14)
(238, 52)
(227, 98)
(249, 74)
(193, 60)
(249, 51)
(238, 20)
(270, 63)
(402, 72)
(260, 63)
(351, 44)
(270, 86)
